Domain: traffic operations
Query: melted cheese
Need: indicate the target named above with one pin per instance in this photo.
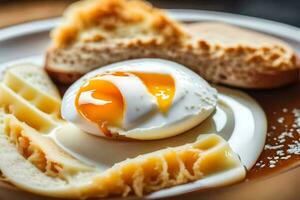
(13, 103)
(33, 84)
(41, 151)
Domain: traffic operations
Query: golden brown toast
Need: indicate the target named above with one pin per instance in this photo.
(95, 33)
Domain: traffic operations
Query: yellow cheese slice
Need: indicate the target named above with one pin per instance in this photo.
(209, 155)
(41, 151)
(145, 173)
(33, 84)
(24, 111)
(24, 174)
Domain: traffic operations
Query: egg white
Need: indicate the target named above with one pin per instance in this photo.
(193, 102)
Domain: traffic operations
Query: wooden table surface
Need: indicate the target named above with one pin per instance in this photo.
(18, 11)
(14, 12)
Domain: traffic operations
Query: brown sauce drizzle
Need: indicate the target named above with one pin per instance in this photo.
(282, 147)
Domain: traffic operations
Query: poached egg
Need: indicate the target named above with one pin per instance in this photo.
(142, 99)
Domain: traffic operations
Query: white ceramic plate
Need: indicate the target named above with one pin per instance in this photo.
(31, 39)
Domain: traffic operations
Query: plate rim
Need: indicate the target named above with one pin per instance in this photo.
(258, 24)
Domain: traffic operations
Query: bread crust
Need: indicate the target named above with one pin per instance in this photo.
(246, 80)
(216, 70)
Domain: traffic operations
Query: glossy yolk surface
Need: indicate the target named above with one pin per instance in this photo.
(104, 104)
(109, 112)
(162, 86)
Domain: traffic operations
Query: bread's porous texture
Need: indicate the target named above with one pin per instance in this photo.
(95, 33)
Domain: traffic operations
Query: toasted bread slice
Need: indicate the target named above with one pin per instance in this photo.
(242, 58)
(95, 33)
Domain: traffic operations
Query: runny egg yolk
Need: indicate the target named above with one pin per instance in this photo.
(108, 110)
(101, 102)
(162, 86)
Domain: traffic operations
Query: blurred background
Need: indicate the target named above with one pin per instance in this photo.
(287, 11)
